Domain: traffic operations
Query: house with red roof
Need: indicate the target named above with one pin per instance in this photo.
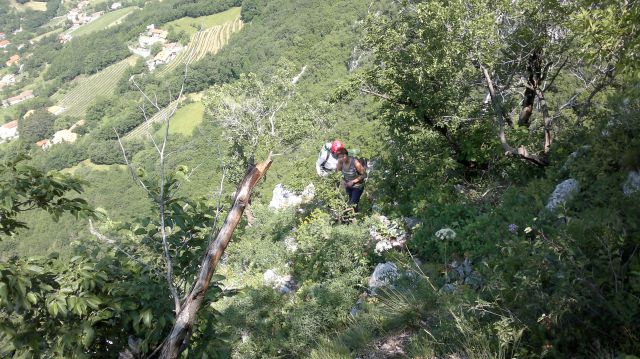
(13, 60)
(44, 144)
(4, 43)
(25, 95)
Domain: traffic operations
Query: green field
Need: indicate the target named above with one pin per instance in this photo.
(185, 120)
(192, 25)
(80, 97)
(103, 21)
(202, 43)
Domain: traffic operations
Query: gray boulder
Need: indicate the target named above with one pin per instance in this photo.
(383, 276)
(291, 244)
(284, 198)
(282, 283)
(562, 193)
(632, 185)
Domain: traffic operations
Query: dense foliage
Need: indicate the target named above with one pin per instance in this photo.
(471, 114)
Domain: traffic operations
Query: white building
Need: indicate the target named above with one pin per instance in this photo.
(8, 79)
(116, 5)
(64, 136)
(9, 130)
(56, 110)
(166, 55)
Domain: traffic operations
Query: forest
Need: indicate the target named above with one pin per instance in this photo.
(500, 216)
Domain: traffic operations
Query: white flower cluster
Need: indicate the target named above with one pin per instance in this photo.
(445, 233)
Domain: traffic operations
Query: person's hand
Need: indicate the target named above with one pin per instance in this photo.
(349, 184)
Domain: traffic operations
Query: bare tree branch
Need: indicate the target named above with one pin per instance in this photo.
(520, 152)
(176, 341)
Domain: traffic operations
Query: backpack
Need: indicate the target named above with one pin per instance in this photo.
(364, 162)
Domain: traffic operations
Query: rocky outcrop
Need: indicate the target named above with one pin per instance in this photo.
(282, 283)
(386, 234)
(562, 193)
(460, 273)
(284, 198)
(384, 275)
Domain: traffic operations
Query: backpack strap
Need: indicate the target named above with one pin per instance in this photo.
(328, 154)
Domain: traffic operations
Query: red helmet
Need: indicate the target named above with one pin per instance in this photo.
(336, 146)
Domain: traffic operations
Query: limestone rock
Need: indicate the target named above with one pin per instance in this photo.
(386, 234)
(283, 284)
(562, 193)
(284, 198)
(291, 244)
(384, 275)
(632, 185)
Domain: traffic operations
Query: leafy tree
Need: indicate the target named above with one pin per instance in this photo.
(25, 188)
(37, 126)
(438, 65)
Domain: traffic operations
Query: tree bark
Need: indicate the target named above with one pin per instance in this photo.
(178, 338)
(520, 152)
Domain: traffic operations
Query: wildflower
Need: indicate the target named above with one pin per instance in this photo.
(445, 233)
(513, 228)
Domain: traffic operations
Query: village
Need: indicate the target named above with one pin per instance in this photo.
(151, 45)
(152, 39)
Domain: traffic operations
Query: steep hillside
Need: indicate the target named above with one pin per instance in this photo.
(498, 144)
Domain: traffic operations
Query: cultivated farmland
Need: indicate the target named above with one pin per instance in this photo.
(146, 127)
(83, 95)
(202, 43)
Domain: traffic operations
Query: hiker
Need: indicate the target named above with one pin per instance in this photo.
(354, 173)
(328, 158)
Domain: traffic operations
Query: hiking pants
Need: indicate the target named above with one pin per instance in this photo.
(354, 195)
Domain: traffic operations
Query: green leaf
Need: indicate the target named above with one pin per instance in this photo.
(35, 269)
(31, 297)
(146, 316)
(87, 336)
(4, 291)
(93, 301)
(217, 278)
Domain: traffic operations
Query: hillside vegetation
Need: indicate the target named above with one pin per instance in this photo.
(500, 215)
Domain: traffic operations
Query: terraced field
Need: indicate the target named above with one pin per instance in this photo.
(83, 95)
(202, 43)
(146, 127)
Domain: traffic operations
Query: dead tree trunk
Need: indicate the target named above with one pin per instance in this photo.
(178, 338)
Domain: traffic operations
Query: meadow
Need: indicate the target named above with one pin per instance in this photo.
(192, 25)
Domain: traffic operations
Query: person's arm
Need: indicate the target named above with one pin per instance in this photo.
(361, 171)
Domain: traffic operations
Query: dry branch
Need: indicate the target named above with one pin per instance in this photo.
(178, 338)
